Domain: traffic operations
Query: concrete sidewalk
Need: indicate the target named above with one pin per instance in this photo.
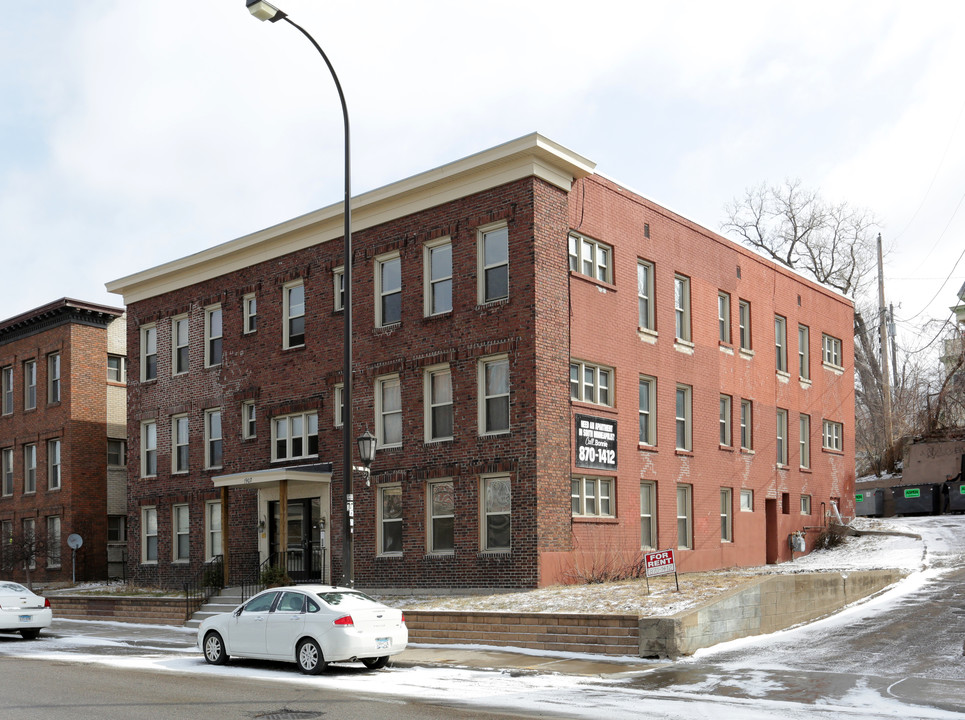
(181, 640)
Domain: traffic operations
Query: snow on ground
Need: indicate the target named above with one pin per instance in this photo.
(868, 552)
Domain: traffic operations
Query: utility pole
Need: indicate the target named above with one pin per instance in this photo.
(894, 345)
(883, 333)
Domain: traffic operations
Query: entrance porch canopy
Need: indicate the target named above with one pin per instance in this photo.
(320, 473)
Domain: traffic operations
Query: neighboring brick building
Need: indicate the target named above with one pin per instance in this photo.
(62, 416)
(560, 374)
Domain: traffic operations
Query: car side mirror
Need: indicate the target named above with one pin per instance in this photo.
(237, 613)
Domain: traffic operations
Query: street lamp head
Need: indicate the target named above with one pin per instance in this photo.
(264, 11)
(367, 444)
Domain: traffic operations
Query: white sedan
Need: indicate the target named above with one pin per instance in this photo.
(22, 611)
(310, 625)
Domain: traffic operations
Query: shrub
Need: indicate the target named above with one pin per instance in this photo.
(275, 576)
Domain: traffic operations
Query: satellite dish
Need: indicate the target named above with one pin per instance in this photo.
(74, 541)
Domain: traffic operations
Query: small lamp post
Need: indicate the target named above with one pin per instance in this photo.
(267, 11)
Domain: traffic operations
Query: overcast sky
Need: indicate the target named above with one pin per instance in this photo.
(136, 132)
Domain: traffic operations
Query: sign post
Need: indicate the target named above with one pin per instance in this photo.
(661, 563)
(74, 542)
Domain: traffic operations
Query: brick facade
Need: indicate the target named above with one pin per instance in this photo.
(550, 318)
(70, 414)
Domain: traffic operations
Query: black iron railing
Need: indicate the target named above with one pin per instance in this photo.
(290, 567)
(201, 587)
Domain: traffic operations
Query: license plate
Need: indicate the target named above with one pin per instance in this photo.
(382, 643)
(26, 618)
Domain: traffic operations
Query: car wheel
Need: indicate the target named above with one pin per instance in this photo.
(31, 634)
(214, 650)
(376, 663)
(309, 657)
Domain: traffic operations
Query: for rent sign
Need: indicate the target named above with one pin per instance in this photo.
(660, 563)
(596, 442)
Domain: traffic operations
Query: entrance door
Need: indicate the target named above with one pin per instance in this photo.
(770, 523)
(304, 556)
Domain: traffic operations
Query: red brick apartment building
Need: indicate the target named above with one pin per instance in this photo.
(63, 429)
(560, 374)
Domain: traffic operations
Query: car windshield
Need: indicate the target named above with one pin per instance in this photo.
(347, 599)
(13, 587)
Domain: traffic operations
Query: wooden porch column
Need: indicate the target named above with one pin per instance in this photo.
(224, 535)
(283, 523)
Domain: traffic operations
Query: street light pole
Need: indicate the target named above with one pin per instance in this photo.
(265, 11)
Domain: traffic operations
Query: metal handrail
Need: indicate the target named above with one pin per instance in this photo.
(198, 590)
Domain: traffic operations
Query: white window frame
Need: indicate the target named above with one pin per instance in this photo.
(249, 420)
(54, 467)
(29, 384)
(249, 312)
(54, 541)
(833, 436)
(148, 348)
(177, 343)
(592, 497)
(744, 325)
(486, 396)
(805, 504)
(747, 425)
(780, 435)
(590, 257)
(726, 413)
(213, 336)
(6, 472)
(645, 299)
(382, 292)
(338, 288)
(180, 440)
(594, 383)
(726, 515)
(121, 454)
(213, 439)
(803, 352)
(648, 515)
(338, 392)
(804, 440)
(53, 378)
(647, 395)
(435, 513)
(213, 531)
(6, 389)
(683, 437)
(292, 312)
(180, 529)
(149, 529)
(307, 421)
(431, 281)
(831, 352)
(747, 500)
(685, 516)
(780, 343)
(117, 374)
(484, 268)
(487, 482)
(723, 317)
(386, 490)
(681, 303)
(384, 412)
(433, 402)
(149, 448)
(30, 469)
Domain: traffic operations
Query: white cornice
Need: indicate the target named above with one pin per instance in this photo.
(531, 155)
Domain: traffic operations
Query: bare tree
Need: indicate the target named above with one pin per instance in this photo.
(21, 551)
(836, 245)
(792, 225)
